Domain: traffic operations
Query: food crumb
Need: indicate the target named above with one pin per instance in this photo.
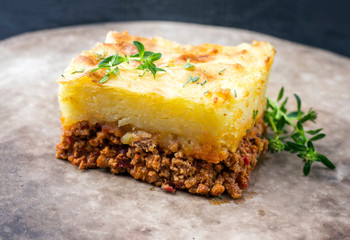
(217, 201)
(261, 213)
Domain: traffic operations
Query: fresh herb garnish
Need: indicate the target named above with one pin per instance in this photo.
(205, 81)
(235, 92)
(146, 58)
(298, 140)
(191, 80)
(219, 196)
(188, 65)
(100, 56)
(62, 76)
(221, 71)
(79, 71)
(255, 114)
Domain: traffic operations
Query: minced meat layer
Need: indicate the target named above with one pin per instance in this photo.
(91, 146)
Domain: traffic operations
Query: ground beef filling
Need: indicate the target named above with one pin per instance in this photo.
(92, 146)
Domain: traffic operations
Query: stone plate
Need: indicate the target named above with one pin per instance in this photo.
(42, 197)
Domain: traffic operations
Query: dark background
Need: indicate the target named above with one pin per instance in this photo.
(324, 24)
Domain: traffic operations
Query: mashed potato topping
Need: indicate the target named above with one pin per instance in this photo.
(208, 117)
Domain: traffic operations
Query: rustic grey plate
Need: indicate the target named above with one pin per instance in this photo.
(42, 197)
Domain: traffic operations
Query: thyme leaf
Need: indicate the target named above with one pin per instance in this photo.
(78, 71)
(221, 71)
(255, 114)
(189, 65)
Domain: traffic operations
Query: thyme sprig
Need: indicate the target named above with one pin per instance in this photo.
(194, 80)
(191, 80)
(298, 140)
(146, 58)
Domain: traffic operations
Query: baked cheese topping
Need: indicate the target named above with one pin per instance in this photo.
(207, 117)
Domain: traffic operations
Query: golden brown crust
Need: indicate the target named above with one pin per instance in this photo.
(176, 54)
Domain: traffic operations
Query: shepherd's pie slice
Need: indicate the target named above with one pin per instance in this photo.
(197, 125)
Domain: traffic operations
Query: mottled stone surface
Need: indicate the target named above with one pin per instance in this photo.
(42, 197)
